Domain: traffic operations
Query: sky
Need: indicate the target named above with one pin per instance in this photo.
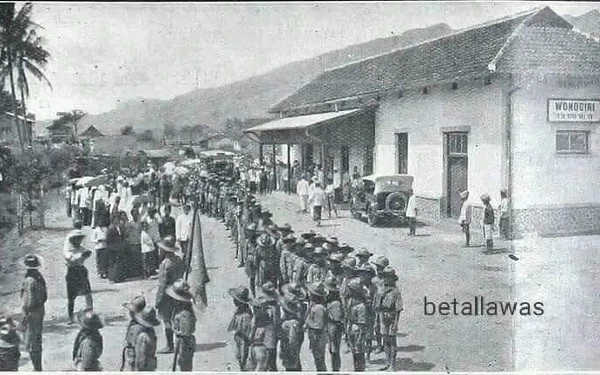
(103, 54)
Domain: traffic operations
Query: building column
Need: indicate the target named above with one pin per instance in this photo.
(274, 167)
(289, 164)
(260, 153)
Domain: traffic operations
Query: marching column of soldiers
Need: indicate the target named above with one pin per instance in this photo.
(300, 288)
(305, 287)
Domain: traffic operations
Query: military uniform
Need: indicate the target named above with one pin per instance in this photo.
(286, 268)
(257, 361)
(251, 266)
(171, 269)
(241, 326)
(89, 345)
(358, 324)
(335, 327)
(268, 260)
(291, 335)
(9, 346)
(300, 270)
(184, 327)
(316, 272)
(33, 297)
(139, 353)
(388, 307)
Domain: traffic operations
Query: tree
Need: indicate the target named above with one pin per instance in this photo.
(70, 118)
(21, 52)
(127, 130)
(168, 130)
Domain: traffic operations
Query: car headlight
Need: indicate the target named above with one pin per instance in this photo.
(374, 204)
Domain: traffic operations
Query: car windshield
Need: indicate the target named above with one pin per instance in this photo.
(368, 186)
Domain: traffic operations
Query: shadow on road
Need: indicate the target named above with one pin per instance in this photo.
(407, 364)
(411, 348)
(207, 347)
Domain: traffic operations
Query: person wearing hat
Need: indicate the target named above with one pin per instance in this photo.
(249, 260)
(380, 264)
(171, 269)
(33, 298)
(345, 249)
(136, 305)
(366, 273)
(78, 283)
(183, 322)
(140, 351)
(464, 219)
(488, 223)
(291, 333)
(301, 265)
(257, 360)
(317, 271)
(88, 345)
(335, 267)
(358, 323)
(272, 329)
(241, 324)
(317, 199)
(335, 321)
(287, 259)
(362, 257)
(268, 259)
(9, 345)
(388, 308)
(316, 324)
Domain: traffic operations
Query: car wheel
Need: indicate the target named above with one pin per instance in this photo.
(396, 201)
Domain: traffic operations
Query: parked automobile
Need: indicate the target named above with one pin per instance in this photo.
(382, 198)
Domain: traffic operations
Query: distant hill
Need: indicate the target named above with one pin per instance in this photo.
(249, 98)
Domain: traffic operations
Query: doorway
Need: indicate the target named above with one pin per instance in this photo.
(402, 152)
(345, 159)
(456, 152)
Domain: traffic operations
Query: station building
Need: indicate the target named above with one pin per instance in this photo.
(511, 104)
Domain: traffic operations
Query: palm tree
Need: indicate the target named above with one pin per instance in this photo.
(21, 52)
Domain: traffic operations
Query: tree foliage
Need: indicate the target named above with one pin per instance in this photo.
(71, 118)
(127, 130)
(146, 136)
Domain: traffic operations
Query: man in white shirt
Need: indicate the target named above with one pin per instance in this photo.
(465, 216)
(411, 213)
(183, 227)
(302, 191)
(317, 200)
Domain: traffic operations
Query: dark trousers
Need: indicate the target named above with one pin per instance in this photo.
(467, 232)
(271, 359)
(317, 213)
(102, 261)
(331, 206)
(149, 263)
(412, 226)
(242, 349)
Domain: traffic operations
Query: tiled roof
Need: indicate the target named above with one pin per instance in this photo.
(299, 122)
(551, 51)
(465, 54)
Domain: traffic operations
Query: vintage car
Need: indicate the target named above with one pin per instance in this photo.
(382, 198)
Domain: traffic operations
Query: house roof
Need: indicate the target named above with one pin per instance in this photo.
(91, 131)
(467, 53)
(299, 122)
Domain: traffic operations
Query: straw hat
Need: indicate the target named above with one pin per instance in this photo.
(286, 228)
(289, 303)
(75, 233)
(363, 253)
(137, 304)
(180, 290)
(319, 251)
(355, 285)
(381, 261)
(89, 319)
(485, 198)
(32, 261)
(365, 268)
(349, 263)
(332, 240)
(294, 290)
(168, 244)
(8, 333)
(269, 290)
(345, 248)
(389, 273)
(290, 238)
(265, 241)
(336, 257)
(147, 317)
(240, 294)
(260, 301)
(308, 235)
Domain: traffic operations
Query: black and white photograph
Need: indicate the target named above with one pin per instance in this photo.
(300, 186)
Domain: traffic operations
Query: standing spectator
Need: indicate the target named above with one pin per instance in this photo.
(346, 186)
(411, 213)
(284, 178)
(82, 204)
(149, 256)
(183, 228)
(133, 236)
(320, 174)
(99, 240)
(465, 217)
(152, 217)
(302, 191)
(167, 227)
(78, 283)
(33, 297)
(116, 244)
(330, 194)
(165, 189)
(504, 217)
(488, 223)
(317, 199)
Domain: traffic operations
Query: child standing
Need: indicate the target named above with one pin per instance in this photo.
(241, 323)
(488, 223)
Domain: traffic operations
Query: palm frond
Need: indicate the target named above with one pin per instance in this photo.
(37, 72)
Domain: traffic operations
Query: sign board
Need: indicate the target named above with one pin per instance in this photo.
(573, 110)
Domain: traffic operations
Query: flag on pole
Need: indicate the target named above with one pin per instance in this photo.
(198, 265)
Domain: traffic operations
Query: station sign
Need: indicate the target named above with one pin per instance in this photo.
(573, 110)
